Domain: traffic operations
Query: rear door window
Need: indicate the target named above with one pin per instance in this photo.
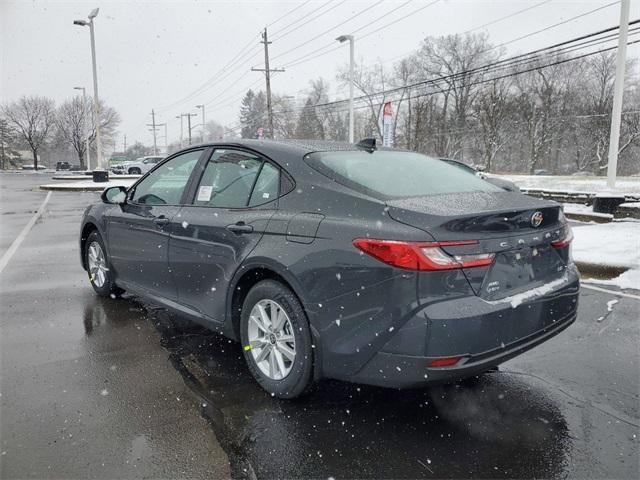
(267, 186)
(228, 179)
(396, 174)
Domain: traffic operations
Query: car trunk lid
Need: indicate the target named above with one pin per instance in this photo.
(518, 229)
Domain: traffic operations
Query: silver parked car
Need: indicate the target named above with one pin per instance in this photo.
(139, 166)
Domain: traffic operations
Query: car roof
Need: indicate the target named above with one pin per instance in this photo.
(288, 153)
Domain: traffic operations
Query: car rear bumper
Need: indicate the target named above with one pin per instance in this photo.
(483, 334)
(404, 371)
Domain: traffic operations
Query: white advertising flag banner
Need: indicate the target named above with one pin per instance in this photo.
(387, 125)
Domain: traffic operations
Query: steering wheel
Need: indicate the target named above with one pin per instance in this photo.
(151, 199)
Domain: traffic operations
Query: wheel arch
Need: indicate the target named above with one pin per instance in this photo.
(87, 229)
(245, 278)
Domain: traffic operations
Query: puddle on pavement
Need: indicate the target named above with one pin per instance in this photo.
(496, 426)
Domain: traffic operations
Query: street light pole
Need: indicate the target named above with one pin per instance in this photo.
(342, 39)
(96, 99)
(203, 123)
(181, 129)
(189, 115)
(618, 90)
(84, 125)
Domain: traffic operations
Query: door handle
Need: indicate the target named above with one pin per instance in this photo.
(239, 228)
(161, 221)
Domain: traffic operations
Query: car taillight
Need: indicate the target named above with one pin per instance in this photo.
(421, 255)
(566, 239)
(444, 362)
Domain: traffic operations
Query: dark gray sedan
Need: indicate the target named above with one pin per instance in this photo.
(334, 260)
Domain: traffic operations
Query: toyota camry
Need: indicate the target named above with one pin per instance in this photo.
(336, 260)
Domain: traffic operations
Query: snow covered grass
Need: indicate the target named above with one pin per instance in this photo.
(579, 209)
(615, 244)
(570, 184)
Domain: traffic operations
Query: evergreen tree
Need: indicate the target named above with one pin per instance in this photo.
(309, 125)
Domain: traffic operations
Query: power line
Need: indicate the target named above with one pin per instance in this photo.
(488, 69)
(216, 77)
(507, 17)
(509, 60)
(288, 13)
(307, 58)
(558, 24)
(308, 20)
(584, 14)
(365, 10)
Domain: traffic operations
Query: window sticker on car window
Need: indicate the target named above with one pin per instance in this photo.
(204, 193)
(265, 195)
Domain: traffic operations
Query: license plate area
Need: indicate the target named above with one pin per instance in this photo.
(519, 270)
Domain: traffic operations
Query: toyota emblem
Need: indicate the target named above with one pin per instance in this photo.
(536, 219)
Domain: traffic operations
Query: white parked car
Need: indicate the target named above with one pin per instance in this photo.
(139, 166)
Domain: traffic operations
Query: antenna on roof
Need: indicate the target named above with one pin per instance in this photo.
(368, 144)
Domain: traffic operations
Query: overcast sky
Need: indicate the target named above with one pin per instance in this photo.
(152, 54)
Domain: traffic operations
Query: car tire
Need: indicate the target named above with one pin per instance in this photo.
(277, 373)
(98, 267)
(135, 171)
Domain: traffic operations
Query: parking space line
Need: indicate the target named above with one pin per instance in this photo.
(23, 234)
(612, 292)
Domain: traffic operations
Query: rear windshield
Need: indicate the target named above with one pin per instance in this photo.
(396, 174)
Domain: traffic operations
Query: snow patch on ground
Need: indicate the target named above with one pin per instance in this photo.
(579, 209)
(629, 279)
(615, 244)
(571, 184)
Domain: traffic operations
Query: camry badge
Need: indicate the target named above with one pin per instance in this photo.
(536, 219)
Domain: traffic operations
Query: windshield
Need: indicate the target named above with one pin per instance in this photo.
(394, 174)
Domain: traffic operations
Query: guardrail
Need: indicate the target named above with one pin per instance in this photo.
(584, 198)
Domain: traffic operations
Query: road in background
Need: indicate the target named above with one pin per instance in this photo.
(116, 388)
(87, 390)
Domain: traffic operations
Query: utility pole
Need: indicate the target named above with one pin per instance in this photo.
(181, 128)
(125, 144)
(202, 133)
(165, 135)
(267, 76)
(3, 126)
(153, 126)
(618, 89)
(189, 115)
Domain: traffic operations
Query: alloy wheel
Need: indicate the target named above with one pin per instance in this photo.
(271, 339)
(97, 264)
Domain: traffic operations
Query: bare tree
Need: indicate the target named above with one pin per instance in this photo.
(213, 131)
(372, 83)
(109, 122)
(33, 118)
(284, 118)
(72, 119)
(492, 113)
(453, 63)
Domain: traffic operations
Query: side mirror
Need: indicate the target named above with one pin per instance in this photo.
(114, 195)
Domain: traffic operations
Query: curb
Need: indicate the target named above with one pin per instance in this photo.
(88, 177)
(603, 272)
(54, 188)
(586, 217)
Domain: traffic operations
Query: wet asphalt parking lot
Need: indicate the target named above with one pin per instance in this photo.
(116, 388)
